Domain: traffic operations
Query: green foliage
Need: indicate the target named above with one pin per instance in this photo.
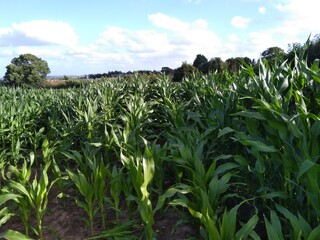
(199, 61)
(213, 65)
(5, 214)
(90, 180)
(32, 195)
(13, 235)
(309, 51)
(236, 153)
(273, 55)
(26, 69)
(297, 227)
(186, 70)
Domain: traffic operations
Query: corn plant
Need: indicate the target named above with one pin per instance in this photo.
(159, 154)
(3, 163)
(108, 101)
(282, 133)
(86, 189)
(296, 228)
(33, 195)
(205, 189)
(114, 175)
(23, 177)
(90, 179)
(141, 167)
(121, 231)
(11, 234)
(139, 163)
(87, 116)
(5, 215)
(116, 187)
(35, 138)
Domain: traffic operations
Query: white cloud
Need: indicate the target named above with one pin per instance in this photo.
(40, 32)
(134, 41)
(240, 22)
(251, 1)
(260, 41)
(5, 31)
(44, 51)
(262, 10)
(195, 1)
(302, 15)
(170, 43)
(233, 38)
(50, 40)
(297, 19)
(161, 20)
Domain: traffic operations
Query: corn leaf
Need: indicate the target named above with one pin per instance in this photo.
(271, 232)
(8, 196)
(225, 131)
(14, 235)
(248, 228)
(250, 114)
(314, 235)
(258, 145)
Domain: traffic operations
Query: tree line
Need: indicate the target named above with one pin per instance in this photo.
(28, 69)
(272, 55)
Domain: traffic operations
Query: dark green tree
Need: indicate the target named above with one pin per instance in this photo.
(308, 51)
(217, 64)
(186, 70)
(233, 64)
(294, 49)
(26, 69)
(248, 61)
(314, 49)
(199, 61)
(273, 55)
(213, 65)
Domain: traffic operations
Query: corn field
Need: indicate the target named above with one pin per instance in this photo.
(236, 155)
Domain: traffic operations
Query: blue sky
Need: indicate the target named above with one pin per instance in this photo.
(80, 37)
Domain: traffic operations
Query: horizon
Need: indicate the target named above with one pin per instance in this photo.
(80, 37)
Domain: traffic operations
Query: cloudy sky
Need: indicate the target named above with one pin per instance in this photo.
(95, 36)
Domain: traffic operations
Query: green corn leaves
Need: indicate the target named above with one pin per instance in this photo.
(142, 168)
(14, 235)
(299, 228)
(237, 153)
(87, 190)
(32, 195)
(5, 214)
(148, 173)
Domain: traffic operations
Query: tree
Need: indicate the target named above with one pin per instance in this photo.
(248, 61)
(199, 61)
(294, 49)
(233, 64)
(314, 49)
(26, 69)
(167, 70)
(309, 51)
(273, 55)
(214, 65)
(186, 70)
